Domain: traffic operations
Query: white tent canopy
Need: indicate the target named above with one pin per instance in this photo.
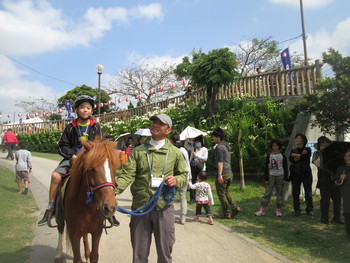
(191, 133)
(143, 132)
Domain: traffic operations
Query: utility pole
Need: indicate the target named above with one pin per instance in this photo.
(303, 32)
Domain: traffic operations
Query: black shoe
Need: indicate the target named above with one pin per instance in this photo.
(297, 213)
(45, 218)
(114, 221)
(235, 212)
(25, 191)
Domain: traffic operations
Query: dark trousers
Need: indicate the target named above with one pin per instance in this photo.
(347, 222)
(326, 196)
(222, 190)
(206, 208)
(194, 173)
(10, 147)
(160, 223)
(296, 184)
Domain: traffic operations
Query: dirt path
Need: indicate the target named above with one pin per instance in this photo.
(195, 242)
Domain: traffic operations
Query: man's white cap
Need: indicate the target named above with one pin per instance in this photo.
(163, 118)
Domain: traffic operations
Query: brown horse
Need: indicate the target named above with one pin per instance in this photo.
(92, 174)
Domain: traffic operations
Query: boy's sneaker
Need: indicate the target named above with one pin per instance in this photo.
(260, 212)
(278, 212)
(25, 191)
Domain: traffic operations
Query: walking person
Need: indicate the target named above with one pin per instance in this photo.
(204, 197)
(82, 128)
(175, 140)
(224, 175)
(328, 189)
(10, 139)
(300, 172)
(199, 157)
(23, 167)
(342, 179)
(275, 176)
(148, 165)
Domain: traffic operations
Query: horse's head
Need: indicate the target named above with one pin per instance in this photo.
(100, 164)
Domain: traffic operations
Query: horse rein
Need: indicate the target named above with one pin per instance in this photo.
(92, 189)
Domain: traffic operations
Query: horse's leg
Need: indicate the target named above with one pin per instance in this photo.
(95, 243)
(86, 247)
(59, 246)
(75, 241)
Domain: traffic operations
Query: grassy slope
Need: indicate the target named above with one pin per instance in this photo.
(17, 221)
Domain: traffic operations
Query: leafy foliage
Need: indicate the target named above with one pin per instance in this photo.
(331, 105)
(86, 90)
(41, 142)
(210, 71)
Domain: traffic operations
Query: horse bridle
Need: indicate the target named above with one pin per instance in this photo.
(92, 189)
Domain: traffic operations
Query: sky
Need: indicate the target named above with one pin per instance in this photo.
(49, 47)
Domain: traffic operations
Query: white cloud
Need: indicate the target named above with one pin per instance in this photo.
(35, 27)
(321, 41)
(306, 3)
(135, 58)
(150, 11)
(14, 88)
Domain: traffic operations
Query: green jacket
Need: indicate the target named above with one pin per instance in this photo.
(137, 172)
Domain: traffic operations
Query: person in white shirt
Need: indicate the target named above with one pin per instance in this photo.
(200, 156)
(23, 167)
(204, 197)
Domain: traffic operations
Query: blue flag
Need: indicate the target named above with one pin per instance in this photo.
(68, 105)
(286, 59)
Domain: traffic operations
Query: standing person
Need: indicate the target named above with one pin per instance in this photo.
(175, 140)
(23, 167)
(276, 176)
(149, 164)
(204, 197)
(224, 175)
(82, 128)
(128, 149)
(199, 157)
(328, 189)
(342, 179)
(10, 139)
(300, 172)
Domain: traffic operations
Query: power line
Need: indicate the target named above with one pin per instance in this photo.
(36, 71)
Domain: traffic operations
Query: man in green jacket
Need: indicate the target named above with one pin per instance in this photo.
(148, 165)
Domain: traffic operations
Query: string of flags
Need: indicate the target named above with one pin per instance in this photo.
(109, 102)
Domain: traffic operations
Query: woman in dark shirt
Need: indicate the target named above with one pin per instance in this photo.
(300, 172)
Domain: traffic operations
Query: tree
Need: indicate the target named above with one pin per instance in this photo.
(261, 53)
(331, 104)
(86, 90)
(210, 71)
(144, 80)
(36, 105)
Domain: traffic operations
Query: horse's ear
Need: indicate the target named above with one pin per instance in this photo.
(87, 144)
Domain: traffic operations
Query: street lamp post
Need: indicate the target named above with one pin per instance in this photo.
(99, 69)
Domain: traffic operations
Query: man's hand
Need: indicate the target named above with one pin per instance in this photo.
(171, 181)
(220, 179)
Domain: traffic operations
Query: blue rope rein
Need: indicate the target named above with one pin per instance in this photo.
(152, 202)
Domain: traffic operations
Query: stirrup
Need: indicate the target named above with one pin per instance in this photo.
(50, 218)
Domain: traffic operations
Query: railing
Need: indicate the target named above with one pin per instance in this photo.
(280, 83)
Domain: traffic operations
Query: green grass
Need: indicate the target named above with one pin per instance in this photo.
(17, 220)
(51, 156)
(301, 239)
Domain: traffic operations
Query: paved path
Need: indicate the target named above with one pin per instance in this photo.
(195, 242)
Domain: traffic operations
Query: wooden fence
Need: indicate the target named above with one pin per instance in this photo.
(280, 83)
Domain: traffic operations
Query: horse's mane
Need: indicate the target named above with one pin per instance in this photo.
(93, 154)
